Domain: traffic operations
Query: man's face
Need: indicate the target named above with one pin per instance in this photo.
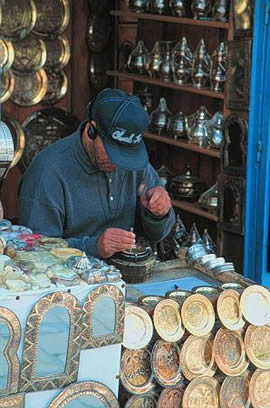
(101, 158)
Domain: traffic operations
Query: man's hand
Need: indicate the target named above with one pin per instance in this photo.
(114, 240)
(157, 201)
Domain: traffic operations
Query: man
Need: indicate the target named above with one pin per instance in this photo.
(89, 187)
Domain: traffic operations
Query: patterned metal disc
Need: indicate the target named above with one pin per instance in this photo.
(138, 328)
(257, 343)
(8, 84)
(52, 17)
(198, 315)
(30, 88)
(58, 52)
(171, 397)
(6, 54)
(234, 391)
(259, 389)
(30, 54)
(17, 135)
(167, 320)
(202, 392)
(57, 86)
(166, 363)
(148, 400)
(18, 18)
(228, 309)
(255, 305)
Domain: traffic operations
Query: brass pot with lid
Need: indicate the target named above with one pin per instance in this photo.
(186, 186)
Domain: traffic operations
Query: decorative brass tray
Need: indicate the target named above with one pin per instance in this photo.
(203, 390)
(259, 390)
(52, 17)
(167, 320)
(138, 328)
(18, 19)
(255, 305)
(17, 134)
(171, 397)
(234, 391)
(29, 89)
(198, 315)
(257, 343)
(8, 84)
(6, 54)
(57, 86)
(30, 54)
(228, 309)
(58, 52)
(148, 400)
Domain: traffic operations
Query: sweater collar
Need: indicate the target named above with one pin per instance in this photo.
(79, 153)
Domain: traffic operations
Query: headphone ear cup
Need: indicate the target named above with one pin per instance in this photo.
(92, 132)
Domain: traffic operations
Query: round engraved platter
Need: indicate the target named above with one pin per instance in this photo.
(6, 54)
(171, 397)
(18, 19)
(167, 320)
(17, 135)
(30, 54)
(198, 315)
(234, 391)
(229, 352)
(8, 84)
(58, 52)
(197, 357)
(99, 30)
(138, 328)
(57, 86)
(257, 343)
(228, 309)
(202, 392)
(255, 305)
(52, 17)
(259, 389)
(166, 363)
(148, 400)
(29, 89)
(136, 372)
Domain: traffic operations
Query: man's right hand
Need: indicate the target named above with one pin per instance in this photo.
(114, 240)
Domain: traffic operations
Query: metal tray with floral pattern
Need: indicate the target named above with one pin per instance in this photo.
(257, 343)
(234, 390)
(259, 389)
(198, 314)
(58, 52)
(18, 18)
(228, 309)
(30, 88)
(171, 397)
(202, 392)
(53, 17)
(57, 86)
(167, 320)
(8, 84)
(30, 54)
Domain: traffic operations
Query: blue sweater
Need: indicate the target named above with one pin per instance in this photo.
(63, 194)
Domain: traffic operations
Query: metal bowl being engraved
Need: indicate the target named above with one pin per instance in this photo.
(57, 86)
(30, 88)
(229, 351)
(6, 54)
(17, 135)
(257, 343)
(52, 17)
(166, 363)
(58, 52)
(29, 54)
(234, 391)
(255, 305)
(259, 389)
(167, 320)
(228, 309)
(202, 392)
(198, 315)
(7, 84)
(18, 19)
(197, 357)
(136, 372)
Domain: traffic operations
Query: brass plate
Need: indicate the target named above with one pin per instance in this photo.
(234, 391)
(259, 389)
(257, 343)
(57, 86)
(29, 380)
(171, 397)
(202, 392)
(8, 84)
(30, 54)
(255, 305)
(9, 319)
(88, 338)
(232, 285)
(197, 357)
(18, 136)
(178, 295)
(91, 388)
(14, 401)
(198, 315)
(228, 309)
(138, 328)
(211, 292)
(229, 352)
(149, 300)
(136, 372)
(18, 19)
(52, 17)
(148, 400)
(6, 54)
(167, 320)
(166, 363)
(58, 52)
(29, 89)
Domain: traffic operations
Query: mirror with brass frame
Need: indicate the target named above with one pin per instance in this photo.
(103, 317)
(14, 401)
(242, 17)
(85, 394)
(10, 335)
(33, 346)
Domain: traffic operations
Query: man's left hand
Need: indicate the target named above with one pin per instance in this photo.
(157, 201)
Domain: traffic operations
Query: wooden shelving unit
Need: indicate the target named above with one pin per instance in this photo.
(194, 208)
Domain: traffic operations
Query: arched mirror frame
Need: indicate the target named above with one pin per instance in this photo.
(29, 379)
(14, 401)
(10, 352)
(91, 388)
(88, 339)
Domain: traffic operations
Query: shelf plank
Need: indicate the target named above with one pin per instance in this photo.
(184, 145)
(170, 19)
(194, 208)
(165, 84)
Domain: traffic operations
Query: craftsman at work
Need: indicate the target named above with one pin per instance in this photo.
(93, 186)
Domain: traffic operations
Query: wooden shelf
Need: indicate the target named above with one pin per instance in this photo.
(166, 84)
(170, 19)
(194, 208)
(183, 145)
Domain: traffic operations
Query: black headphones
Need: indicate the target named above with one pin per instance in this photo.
(92, 131)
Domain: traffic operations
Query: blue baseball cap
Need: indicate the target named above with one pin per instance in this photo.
(121, 122)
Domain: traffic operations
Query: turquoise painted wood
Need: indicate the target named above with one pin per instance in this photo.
(258, 168)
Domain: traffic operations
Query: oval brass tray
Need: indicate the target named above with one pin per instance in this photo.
(166, 363)
(229, 352)
(99, 31)
(202, 392)
(257, 343)
(6, 54)
(136, 372)
(57, 86)
(29, 89)
(18, 19)
(228, 309)
(138, 328)
(8, 84)
(98, 65)
(30, 54)
(167, 320)
(197, 357)
(53, 17)
(17, 134)
(198, 315)
(171, 397)
(58, 52)
(259, 390)
(234, 391)
(255, 305)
